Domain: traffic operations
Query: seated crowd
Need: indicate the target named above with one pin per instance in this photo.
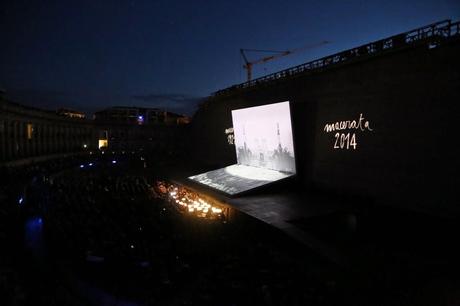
(16, 268)
(113, 221)
(118, 235)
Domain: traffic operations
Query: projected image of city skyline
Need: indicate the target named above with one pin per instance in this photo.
(263, 137)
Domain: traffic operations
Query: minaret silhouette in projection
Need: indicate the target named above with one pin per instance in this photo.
(279, 136)
(244, 136)
(244, 152)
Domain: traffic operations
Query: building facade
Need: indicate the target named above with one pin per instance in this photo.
(140, 129)
(139, 116)
(31, 133)
(27, 132)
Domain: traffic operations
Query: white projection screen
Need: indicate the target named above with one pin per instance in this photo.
(263, 137)
(264, 150)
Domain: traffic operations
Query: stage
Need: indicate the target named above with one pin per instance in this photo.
(238, 179)
(286, 210)
(263, 183)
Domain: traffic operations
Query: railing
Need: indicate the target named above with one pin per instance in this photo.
(434, 34)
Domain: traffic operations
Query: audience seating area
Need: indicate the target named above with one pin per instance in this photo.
(110, 239)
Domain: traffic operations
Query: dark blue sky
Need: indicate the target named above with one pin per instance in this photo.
(88, 55)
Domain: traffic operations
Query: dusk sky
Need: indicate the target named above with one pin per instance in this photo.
(88, 55)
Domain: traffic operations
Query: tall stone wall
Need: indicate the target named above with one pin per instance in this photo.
(401, 148)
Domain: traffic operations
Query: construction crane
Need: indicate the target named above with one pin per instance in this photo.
(248, 65)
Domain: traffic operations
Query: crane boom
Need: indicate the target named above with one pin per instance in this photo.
(248, 65)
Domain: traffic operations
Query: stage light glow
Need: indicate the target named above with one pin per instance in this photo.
(21, 199)
(90, 164)
(235, 179)
(114, 161)
(255, 173)
(82, 166)
(188, 201)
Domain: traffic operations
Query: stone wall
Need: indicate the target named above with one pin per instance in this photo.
(408, 153)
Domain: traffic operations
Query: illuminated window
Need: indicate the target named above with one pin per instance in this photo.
(30, 130)
(103, 143)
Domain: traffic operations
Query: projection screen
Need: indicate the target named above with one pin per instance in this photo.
(264, 150)
(263, 137)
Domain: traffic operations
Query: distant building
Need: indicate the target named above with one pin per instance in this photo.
(139, 116)
(28, 133)
(71, 113)
(124, 128)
